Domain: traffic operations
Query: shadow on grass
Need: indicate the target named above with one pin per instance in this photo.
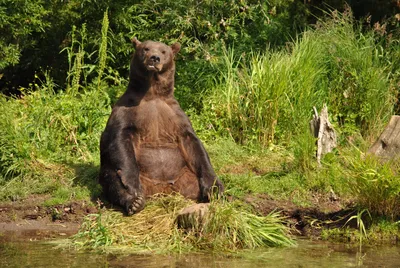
(86, 176)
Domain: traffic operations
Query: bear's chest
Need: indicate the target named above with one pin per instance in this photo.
(156, 121)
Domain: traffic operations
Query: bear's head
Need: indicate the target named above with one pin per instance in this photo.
(155, 56)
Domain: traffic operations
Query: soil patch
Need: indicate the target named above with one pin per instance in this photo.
(28, 219)
(327, 212)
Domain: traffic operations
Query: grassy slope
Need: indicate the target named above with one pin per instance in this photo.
(254, 123)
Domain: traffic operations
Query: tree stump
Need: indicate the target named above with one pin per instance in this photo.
(192, 217)
(322, 129)
(387, 146)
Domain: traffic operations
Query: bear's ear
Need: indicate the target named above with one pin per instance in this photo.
(175, 48)
(135, 42)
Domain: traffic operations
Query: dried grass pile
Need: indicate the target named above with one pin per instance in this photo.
(228, 227)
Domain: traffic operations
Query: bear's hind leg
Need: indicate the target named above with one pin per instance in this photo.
(119, 194)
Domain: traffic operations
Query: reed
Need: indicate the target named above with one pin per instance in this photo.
(267, 97)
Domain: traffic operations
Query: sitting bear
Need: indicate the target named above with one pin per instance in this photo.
(149, 145)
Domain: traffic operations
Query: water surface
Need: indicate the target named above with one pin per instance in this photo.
(32, 253)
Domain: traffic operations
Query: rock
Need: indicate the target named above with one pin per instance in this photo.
(192, 217)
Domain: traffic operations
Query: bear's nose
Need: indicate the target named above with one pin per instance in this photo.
(155, 58)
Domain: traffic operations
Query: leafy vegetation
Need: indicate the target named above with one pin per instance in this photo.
(19, 20)
(333, 64)
(202, 27)
(249, 101)
(375, 185)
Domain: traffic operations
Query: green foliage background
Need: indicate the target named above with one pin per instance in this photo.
(248, 75)
(32, 33)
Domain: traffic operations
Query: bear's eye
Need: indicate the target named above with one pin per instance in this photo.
(146, 49)
(163, 52)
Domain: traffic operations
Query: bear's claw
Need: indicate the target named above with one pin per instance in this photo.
(209, 190)
(135, 205)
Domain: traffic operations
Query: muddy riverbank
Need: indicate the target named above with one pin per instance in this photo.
(29, 218)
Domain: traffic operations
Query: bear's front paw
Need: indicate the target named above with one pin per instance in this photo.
(135, 205)
(216, 188)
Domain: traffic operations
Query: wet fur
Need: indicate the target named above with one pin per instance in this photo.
(149, 145)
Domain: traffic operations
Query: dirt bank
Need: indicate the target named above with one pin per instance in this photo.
(28, 219)
(326, 212)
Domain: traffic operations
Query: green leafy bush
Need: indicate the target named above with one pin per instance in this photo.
(202, 27)
(19, 19)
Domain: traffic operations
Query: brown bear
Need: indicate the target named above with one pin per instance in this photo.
(149, 145)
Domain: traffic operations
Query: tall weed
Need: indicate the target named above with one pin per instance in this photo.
(374, 185)
(103, 49)
(46, 134)
(268, 97)
(43, 131)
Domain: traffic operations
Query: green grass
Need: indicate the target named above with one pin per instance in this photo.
(228, 227)
(378, 230)
(375, 185)
(268, 97)
(45, 136)
(254, 123)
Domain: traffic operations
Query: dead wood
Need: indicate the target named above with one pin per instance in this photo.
(322, 129)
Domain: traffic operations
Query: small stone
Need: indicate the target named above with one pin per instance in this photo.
(192, 217)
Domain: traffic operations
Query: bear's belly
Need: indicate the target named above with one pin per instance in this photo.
(161, 163)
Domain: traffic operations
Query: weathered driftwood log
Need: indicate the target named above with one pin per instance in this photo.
(387, 146)
(192, 217)
(322, 129)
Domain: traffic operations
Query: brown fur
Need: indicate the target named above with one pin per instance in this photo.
(149, 145)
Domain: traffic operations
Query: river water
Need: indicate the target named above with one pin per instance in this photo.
(27, 253)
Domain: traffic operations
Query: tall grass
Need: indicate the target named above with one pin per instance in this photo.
(263, 100)
(268, 97)
(44, 135)
(374, 185)
(47, 135)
